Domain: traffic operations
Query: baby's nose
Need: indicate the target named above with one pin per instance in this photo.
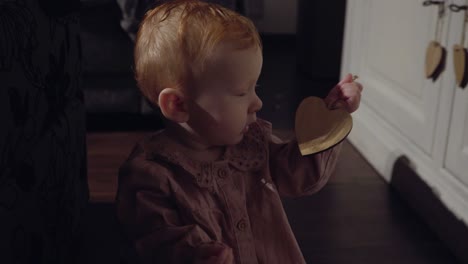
(256, 105)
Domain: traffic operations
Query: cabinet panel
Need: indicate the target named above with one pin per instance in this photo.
(393, 52)
(389, 43)
(457, 149)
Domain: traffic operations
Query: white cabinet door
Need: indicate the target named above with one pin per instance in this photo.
(457, 149)
(385, 46)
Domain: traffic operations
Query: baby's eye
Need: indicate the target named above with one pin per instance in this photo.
(244, 93)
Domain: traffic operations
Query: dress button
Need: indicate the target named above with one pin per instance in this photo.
(242, 225)
(222, 173)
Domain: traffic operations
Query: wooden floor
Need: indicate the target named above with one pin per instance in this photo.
(356, 218)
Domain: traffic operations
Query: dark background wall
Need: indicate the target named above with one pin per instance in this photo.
(320, 29)
(43, 186)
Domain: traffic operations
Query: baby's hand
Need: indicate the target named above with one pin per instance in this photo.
(346, 94)
(214, 253)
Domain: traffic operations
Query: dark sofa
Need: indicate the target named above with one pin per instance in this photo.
(108, 82)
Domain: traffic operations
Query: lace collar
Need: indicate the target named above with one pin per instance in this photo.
(249, 155)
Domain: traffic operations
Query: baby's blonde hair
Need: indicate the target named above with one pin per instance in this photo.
(176, 38)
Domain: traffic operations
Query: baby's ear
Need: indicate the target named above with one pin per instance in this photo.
(173, 105)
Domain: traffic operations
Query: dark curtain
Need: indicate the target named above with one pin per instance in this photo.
(43, 185)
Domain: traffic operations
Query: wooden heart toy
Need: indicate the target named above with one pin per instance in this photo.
(319, 128)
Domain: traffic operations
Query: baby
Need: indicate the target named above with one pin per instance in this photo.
(207, 188)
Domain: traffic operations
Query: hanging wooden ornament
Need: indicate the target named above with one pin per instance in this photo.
(435, 53)
(460, 53)
(435, 59)
(460, 65)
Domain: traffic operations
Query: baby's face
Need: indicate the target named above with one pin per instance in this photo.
(225, 101)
